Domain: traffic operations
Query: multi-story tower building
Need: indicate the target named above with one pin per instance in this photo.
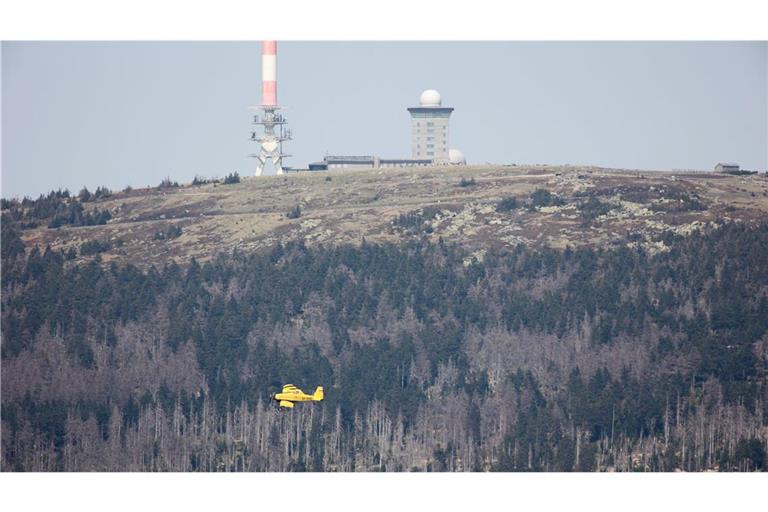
(429, 128)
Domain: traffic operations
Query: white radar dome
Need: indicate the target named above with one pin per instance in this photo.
(430, 98)
(455, 156)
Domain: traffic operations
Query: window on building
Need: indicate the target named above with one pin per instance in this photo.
(430, 153)
(430, 123)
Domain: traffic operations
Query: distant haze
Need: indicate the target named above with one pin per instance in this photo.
(131, 113)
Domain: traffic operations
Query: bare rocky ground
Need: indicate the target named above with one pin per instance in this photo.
(341, 207)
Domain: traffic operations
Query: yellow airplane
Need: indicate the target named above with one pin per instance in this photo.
(291, 394)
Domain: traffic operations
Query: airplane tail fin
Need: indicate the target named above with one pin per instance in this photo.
(318, 394)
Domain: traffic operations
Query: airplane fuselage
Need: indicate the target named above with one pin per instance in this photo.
(291, 394)
(294, 397)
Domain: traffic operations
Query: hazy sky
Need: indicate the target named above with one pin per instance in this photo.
(130, 113)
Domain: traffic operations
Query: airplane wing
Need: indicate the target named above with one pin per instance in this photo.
(286, 403)
(290, 388)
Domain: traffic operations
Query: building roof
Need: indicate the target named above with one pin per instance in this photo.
(348, 158)
(405, 160)
(419, 110)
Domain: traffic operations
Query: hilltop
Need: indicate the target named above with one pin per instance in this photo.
(471, 206)
(435, 357)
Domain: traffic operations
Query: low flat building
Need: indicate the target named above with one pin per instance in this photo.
(318, 166)
(365, 162)
(404, 162)
(342, 161)
(727, 167)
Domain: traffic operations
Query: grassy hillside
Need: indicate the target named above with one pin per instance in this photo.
(587, 206)
(462, 319)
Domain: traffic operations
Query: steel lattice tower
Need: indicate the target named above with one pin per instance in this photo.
(273, 123)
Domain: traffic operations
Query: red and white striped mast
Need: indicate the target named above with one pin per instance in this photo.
(275, 133)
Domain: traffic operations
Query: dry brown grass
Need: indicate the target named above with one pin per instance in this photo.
(357, 204)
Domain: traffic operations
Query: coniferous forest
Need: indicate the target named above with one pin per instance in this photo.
(529, 360)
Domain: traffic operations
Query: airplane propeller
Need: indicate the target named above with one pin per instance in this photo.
(274, 387)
